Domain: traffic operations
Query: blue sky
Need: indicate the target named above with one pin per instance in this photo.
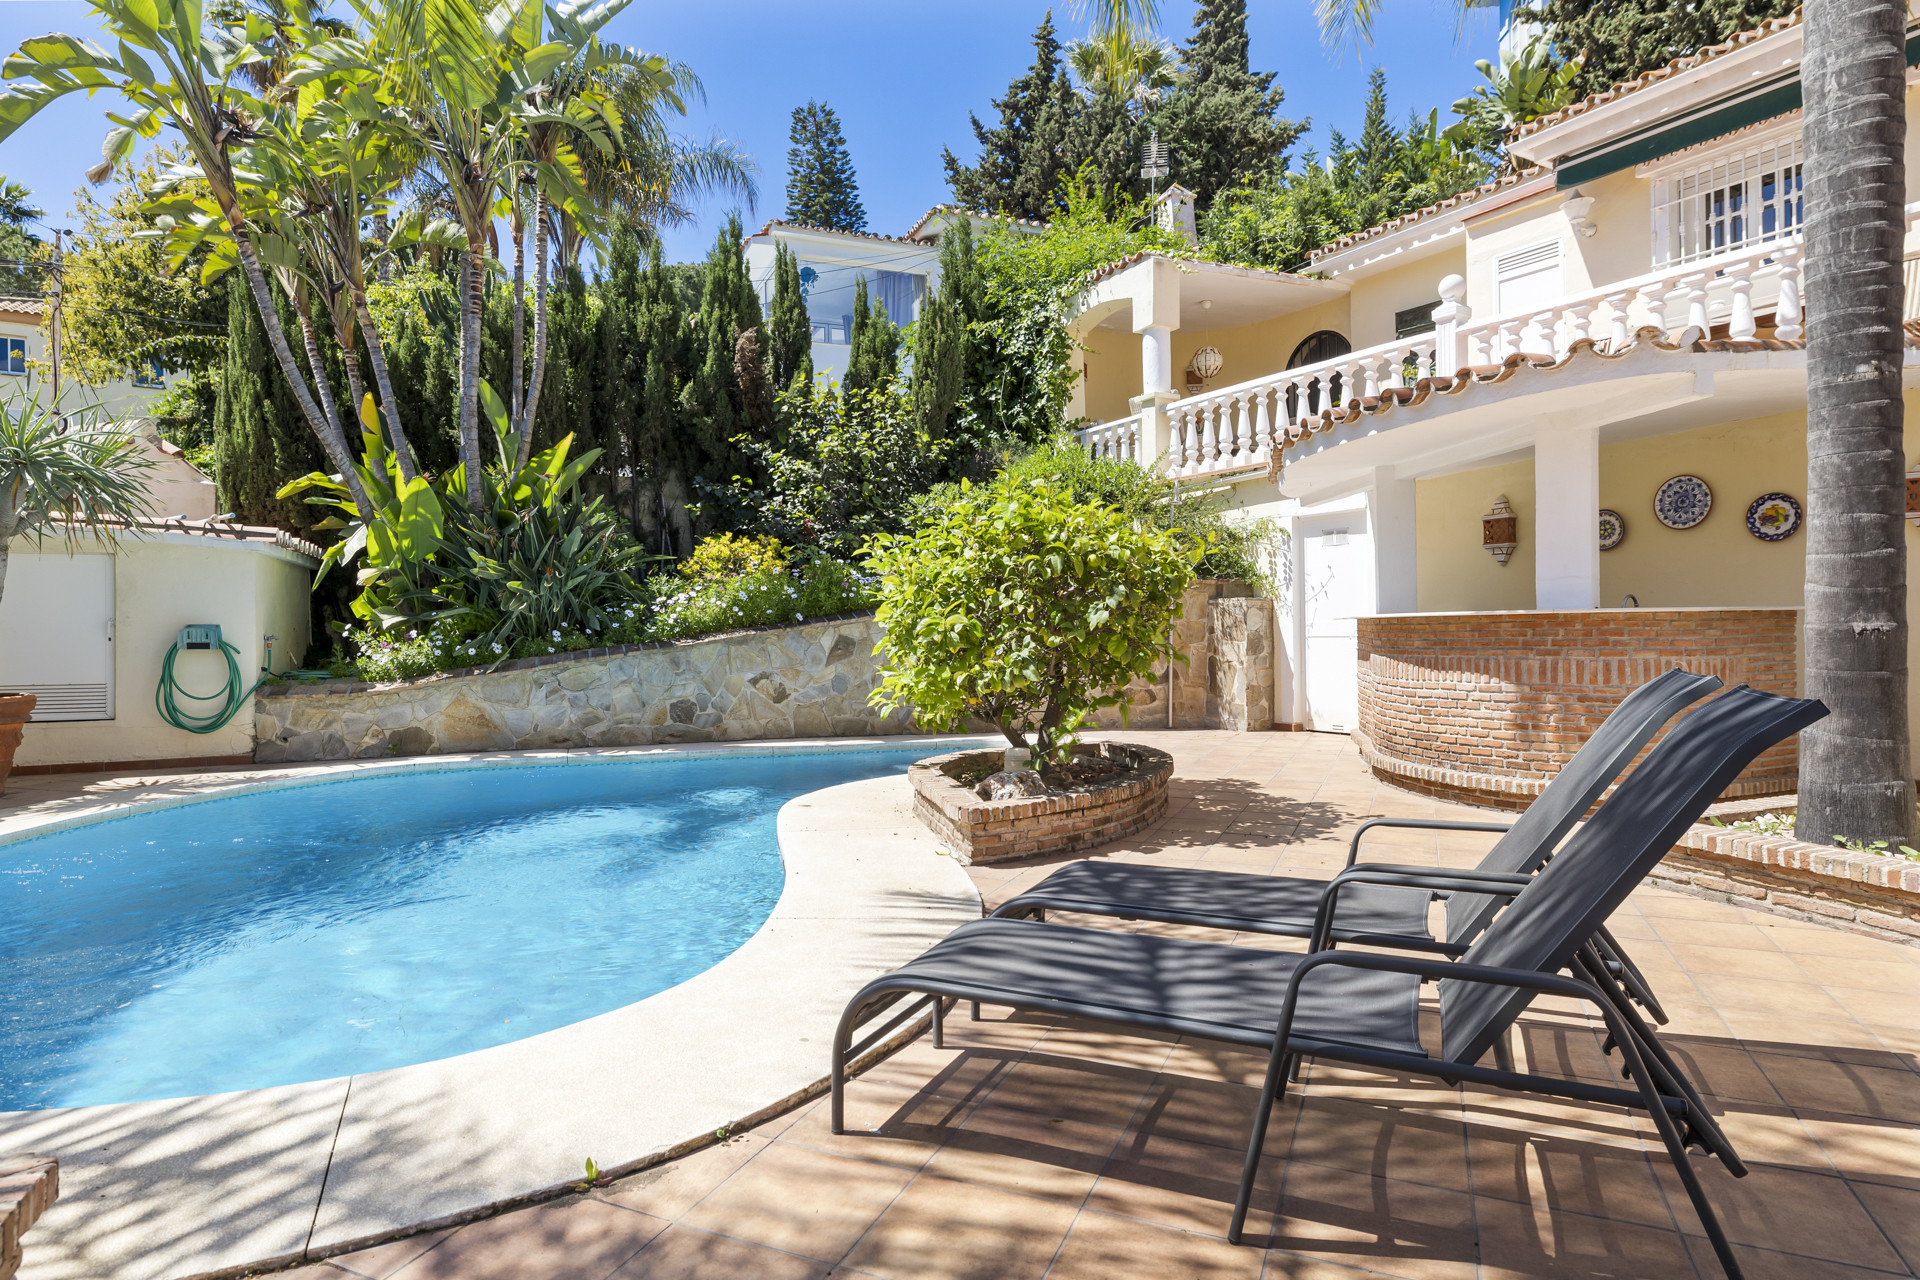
(902, 77)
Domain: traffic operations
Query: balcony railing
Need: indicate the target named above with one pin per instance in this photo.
(1237, 428)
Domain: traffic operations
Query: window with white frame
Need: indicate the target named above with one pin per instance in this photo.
(1728, 199)
(13, 357)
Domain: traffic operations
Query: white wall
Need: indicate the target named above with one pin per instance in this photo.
(163, 582)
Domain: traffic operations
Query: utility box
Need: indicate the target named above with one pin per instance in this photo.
(56, 633)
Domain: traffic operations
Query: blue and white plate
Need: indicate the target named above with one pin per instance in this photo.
(1613, 528)
(1682, 502)
(1774, 517)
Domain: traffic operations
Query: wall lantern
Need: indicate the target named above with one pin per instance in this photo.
(1500, 530)
(1913, 497)
(1579, 209)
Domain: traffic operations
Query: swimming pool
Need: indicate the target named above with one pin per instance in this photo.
(347, 926)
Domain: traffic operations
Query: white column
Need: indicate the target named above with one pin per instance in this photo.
(1396, 544)
(1566, 519)
(1156, 359)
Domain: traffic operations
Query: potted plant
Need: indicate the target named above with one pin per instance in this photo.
(64, 473)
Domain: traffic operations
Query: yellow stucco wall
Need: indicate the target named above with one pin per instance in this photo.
(1111, 358)
(1454, 572)
(1717, 562)
(160, 585)
(1378, 296)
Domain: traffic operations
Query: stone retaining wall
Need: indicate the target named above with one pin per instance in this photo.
(976, 830)
(1227, 682)
(809, 681)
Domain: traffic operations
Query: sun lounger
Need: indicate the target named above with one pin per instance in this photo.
(1362, 1008)
(1384, 914)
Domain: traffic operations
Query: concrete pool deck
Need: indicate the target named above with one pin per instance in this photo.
(185, 1187)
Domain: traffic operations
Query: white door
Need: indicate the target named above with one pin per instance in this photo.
(1336, 587)
(56, 633)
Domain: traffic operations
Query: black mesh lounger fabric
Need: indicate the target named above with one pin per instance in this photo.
(1207, 988)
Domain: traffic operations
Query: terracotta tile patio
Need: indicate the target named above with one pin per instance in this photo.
(1031, 1147)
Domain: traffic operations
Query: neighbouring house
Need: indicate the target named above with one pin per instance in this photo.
(1529, 444)
(899, 272)
(23, 365)
(87, 634)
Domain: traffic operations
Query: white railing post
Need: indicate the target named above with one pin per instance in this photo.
(1536, 338)
(1577, 327)
(1696, 287)
(1740, 326)
(1787, 317)
(1243, 427)
(1263, 443)
(1423, 359)
(1619, 332)
(1449, 328)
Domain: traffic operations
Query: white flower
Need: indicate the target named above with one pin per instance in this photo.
(413, 635)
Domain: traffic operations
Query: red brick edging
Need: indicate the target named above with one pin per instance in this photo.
(28, 1185)
(1866, 893)
(976, 830)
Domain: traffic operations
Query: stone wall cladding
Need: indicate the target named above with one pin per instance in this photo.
(976, 830)
(1860, 892)
(1200, 686)
(808, 681)
(1486, 707)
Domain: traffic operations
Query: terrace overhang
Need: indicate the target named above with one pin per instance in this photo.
(1493, 414)
(1156, 291)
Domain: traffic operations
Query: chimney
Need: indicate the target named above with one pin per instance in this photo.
(1173, 210)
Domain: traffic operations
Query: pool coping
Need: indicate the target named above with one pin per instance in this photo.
(219, 1184)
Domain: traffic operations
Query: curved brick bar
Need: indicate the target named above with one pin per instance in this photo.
(1485, 707)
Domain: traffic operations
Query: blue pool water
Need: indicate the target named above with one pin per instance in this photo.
(373, 922)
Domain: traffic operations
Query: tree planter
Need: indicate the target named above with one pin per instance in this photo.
(14, 710)
(976, 830)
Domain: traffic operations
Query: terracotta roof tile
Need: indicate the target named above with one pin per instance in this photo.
(24, 306)
(1500, 183)
(1698, 57)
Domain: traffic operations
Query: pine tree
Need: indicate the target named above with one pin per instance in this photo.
(873, 355)
(821, 189)
(1021, 161)
(260, 439)
(1222, 123)
(1619, 39)
(789, 329)
(1103, 133)
(942, 343)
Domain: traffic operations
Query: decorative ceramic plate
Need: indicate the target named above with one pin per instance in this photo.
(1774, 517)
(1613, 527)
(1682, 502)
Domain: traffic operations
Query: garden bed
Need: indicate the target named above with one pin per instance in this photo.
(1088, 811)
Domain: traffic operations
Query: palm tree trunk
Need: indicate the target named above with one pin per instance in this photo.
(539, 329)
(516, 379)
(1856, 776)
(389, 407)
(322, 388)
(356, 389)
(325, 427)
(472, 294)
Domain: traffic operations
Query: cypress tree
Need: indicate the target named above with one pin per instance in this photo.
(260, 438)
(821, 189)
(873, 355)
(1023, 159)
(1222, 123)
(942, 343)
(789, 330)
(711, 404)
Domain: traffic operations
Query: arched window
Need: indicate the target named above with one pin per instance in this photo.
(1315, 347)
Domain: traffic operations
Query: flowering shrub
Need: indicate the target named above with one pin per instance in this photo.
(769, 596)
(723, 555)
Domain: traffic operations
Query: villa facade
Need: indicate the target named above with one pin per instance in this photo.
(23, 365)
(899, 272)
(1579, 387)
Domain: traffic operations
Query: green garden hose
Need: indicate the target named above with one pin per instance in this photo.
(232, 697)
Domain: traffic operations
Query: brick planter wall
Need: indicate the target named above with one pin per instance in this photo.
(28, 1185)
(1486, 707)
(976, 830)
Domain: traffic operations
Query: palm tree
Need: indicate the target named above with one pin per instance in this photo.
(176, 72)
(1856, 775)
(70, 476)
(1134, 68)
